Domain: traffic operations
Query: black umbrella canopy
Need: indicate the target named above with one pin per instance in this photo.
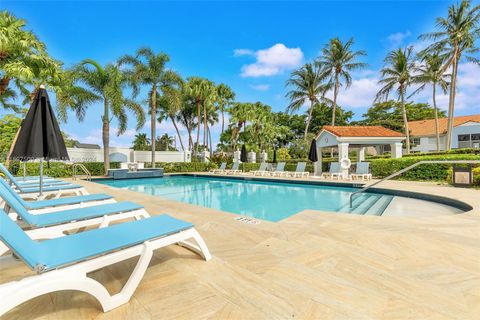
(40, 136)
(312, 154)
(243, 154)
(274, 155)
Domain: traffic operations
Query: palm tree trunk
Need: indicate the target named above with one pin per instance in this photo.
(451, 101)
(178, 132)
(223, 120)
(405, 120)
(335, 93)
(210, 138)
(308, 120)
(153, 121)
(435, 110)
(199, 117)
(106, 137)
(205, 125)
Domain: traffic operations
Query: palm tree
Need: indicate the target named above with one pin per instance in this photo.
(456, 36)
(148, 69)
(338, 60)
(397, 75)
(202, 92)
(141, 142)
(431, 73)
(165, 142)
(225, 97)
(187, 118)
(240, 113)
(106, 84)
(170, 105)
(307, 85)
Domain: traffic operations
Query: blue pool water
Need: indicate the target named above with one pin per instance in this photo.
(267, 200)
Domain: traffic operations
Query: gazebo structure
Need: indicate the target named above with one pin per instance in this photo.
(356, 137)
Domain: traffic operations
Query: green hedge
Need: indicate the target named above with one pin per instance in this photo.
(59, 169)
(172, 167)
(426, 172)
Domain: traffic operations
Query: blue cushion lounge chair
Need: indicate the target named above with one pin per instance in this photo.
(40, 206)
(362, 171)
(30, 182)
(262, 170)
(222, 168)
(54, 224)
(300, 170)
(279, 170)
(63, 263)
(234, 169)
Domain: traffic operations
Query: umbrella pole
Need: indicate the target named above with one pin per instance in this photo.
(41, 177)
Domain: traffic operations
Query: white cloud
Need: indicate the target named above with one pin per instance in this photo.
(396, 40)
(260, 87)
(243, 52)
(271, 61)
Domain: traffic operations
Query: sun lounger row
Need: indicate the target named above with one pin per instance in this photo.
(362, 172)
(63, 261)
(262, 170)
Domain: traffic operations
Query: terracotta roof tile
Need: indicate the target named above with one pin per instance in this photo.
(362, 131)
(427, 127)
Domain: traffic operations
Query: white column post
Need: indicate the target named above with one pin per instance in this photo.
(187, 156)
(236, 156)
(361, 154)
(318, 165)
(343, 154)
(396, 150)
(263, 156)
(252, 157)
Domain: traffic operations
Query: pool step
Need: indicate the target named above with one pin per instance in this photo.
(368, 204)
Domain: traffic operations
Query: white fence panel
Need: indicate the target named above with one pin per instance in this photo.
(126, 155)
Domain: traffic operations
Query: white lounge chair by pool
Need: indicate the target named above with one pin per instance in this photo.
(50, 205)
(221, 169)
(362, 171)
(30, 183)
(300, 170)
(279, 170)
(262, 170)
(334, 171)
(63, 263)
(234, 169)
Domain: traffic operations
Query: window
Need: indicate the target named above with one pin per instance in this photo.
(476, 137)
(414, 141)
(463, 137)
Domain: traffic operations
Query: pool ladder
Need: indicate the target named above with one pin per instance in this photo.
(399, 172)
(82, 167)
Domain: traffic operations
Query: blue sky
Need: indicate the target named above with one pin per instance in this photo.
(251, 46)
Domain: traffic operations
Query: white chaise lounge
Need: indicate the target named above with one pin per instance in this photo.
(63, 263)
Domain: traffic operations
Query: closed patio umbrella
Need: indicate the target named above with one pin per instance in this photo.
(243, 156)
(274, 155)
(40, 136)
(312, 154)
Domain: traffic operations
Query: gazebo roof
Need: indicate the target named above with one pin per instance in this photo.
(361, 131)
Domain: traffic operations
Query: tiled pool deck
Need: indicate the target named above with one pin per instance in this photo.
(308, 266)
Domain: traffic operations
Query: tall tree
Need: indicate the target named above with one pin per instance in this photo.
(225, 97)
(431, 73)
(149, 69)
(202, 92)
(337, 61)
(106, 84)
(396, 76)
(307, 85)
(456, 37)
(170, 104)
(240, 113)
(141, 142)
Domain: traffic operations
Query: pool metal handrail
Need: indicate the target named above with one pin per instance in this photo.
(399, 172)
(83, 168)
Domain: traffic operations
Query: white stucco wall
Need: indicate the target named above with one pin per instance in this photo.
(125, 155)
(466, 128)
(428, 144)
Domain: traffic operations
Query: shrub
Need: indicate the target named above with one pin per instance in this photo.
(58, 169)
(427, 172)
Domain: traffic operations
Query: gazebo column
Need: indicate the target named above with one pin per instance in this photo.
(361, 154)
(343, 154)
(396, 150)
(317, 167)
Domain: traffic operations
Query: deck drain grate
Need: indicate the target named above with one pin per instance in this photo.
(247, 220)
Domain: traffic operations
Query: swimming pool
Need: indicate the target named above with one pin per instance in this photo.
(267, 200)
